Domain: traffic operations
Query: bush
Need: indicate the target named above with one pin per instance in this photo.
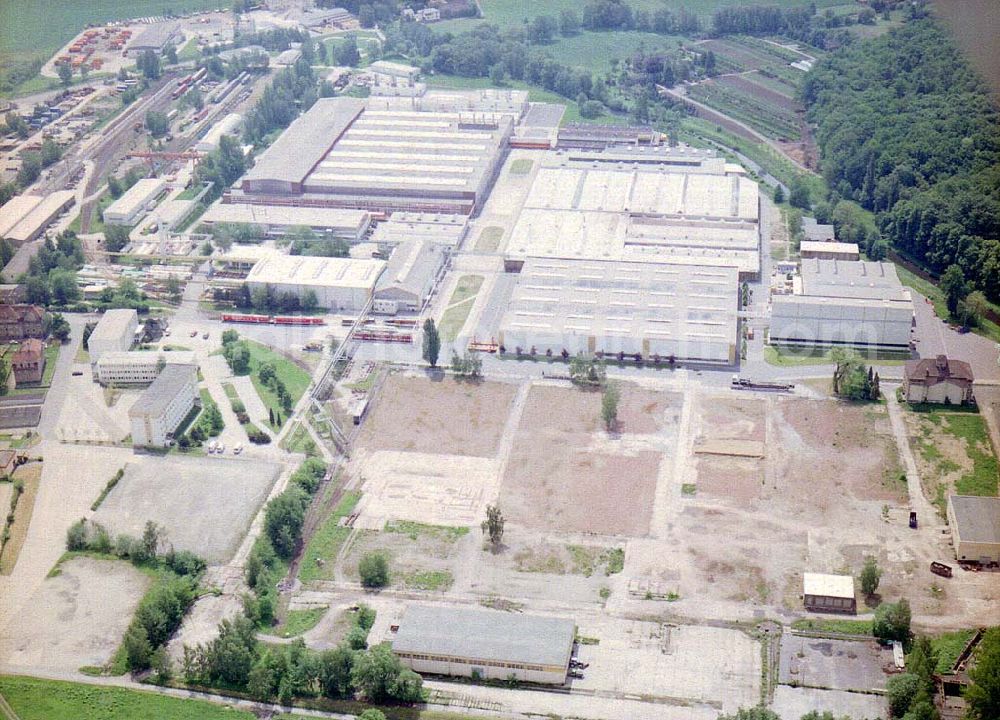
(374, 570)
(892, 621)
(365, 617)
(184, 562)
(901, 689)
(357, 638)
(76, 536)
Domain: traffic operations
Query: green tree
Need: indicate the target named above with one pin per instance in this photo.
(138, 651)
(372, 714)
(283, 519)
(335, 668)
(378, 675)
(115, 237)
(59, 327)
(983, 694)
(871, 574)
(170, 55)
(901, 690)
(609, 406)
(493, 525)
(374, 570)
(798, 194)
(157, 124)
(149, 65)
(892, 621)
(50, 152)
(31, 168)
(976, 306)
(954, 287)
(432, 343)
(779, 194)
(347, 53)
(65, 74)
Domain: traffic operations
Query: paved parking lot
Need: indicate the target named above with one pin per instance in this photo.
(835, 664)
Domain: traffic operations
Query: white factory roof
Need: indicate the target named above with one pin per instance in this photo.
(817, 246)
(136, 197)
(385, 67)
(39, 215)
(287, 216)
(246, 253)
(113, 324)
(609, 209)
(438, 228)
(641, 300)
(316, 271)
(15, 210)
(838, 586)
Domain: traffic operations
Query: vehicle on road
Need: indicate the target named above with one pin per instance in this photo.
(204, 336)
(238, 448)
(194, 333)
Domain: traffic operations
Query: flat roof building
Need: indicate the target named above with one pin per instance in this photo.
(340, 284)
(277, 220)
(701, 215)
(651, 309)
(162, 406)
(826, 250)
(844, 303)
(338, 154)
(828, 593)
(816, 232)
(975, 528)
(33, 224)
(136, 368)
(413, 268)
(447, 230)
(134, 203)
(485, 643)
(115, 332)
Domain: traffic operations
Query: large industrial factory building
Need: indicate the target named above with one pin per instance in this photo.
(340, 154)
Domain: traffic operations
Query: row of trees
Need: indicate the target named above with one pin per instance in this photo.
(163, 608)
(908, 130)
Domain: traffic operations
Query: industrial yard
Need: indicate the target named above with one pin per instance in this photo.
(573, 387)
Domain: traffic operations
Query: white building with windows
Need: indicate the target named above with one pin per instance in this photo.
(115, 332)
(163, 405)
(131, 206)
(136, 368)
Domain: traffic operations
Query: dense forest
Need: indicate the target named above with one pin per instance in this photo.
(908, 130)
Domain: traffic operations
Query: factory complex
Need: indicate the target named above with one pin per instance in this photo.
(612, 242)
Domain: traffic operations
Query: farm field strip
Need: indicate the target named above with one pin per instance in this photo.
(762, 116)
(748, 85)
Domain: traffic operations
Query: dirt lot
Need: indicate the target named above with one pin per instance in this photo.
(566, 474)
(205, 504)
(813, 502)
(77, 618)
(438, 416)
(833, 664)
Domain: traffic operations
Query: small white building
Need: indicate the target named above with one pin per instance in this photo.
(136, 368)
(134, 203)
(828, 593)
(115, 332)
(228, 125)
(340, 284)
(163, 405)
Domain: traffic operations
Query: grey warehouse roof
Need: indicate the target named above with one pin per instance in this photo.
(412, 267)
(978, 518)
(155, 399)
(306, 141)
(485, 635)
(852, 279)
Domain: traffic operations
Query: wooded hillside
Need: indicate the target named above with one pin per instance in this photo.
(907, 129)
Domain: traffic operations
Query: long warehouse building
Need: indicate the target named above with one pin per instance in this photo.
(339, 154)
(277, 220)
(487, 644)
(844, 303)
(589, 306)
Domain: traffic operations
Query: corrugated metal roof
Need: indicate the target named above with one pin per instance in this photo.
(839, 586)
(978, 518)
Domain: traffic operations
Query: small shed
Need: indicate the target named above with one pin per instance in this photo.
(829, 593)
(975, 528)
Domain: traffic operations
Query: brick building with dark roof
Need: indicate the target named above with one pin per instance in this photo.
(18, 322)
(28, 361)
(938, 380)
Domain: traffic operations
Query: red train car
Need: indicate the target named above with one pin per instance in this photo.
(297, 320)
(254, 319)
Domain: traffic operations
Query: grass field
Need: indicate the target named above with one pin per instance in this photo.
(834, 625)
(300, 621)
(595, 50)
(296, 379)
(327, 540)
(34, 699)
(794, 357)
(462, 300)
